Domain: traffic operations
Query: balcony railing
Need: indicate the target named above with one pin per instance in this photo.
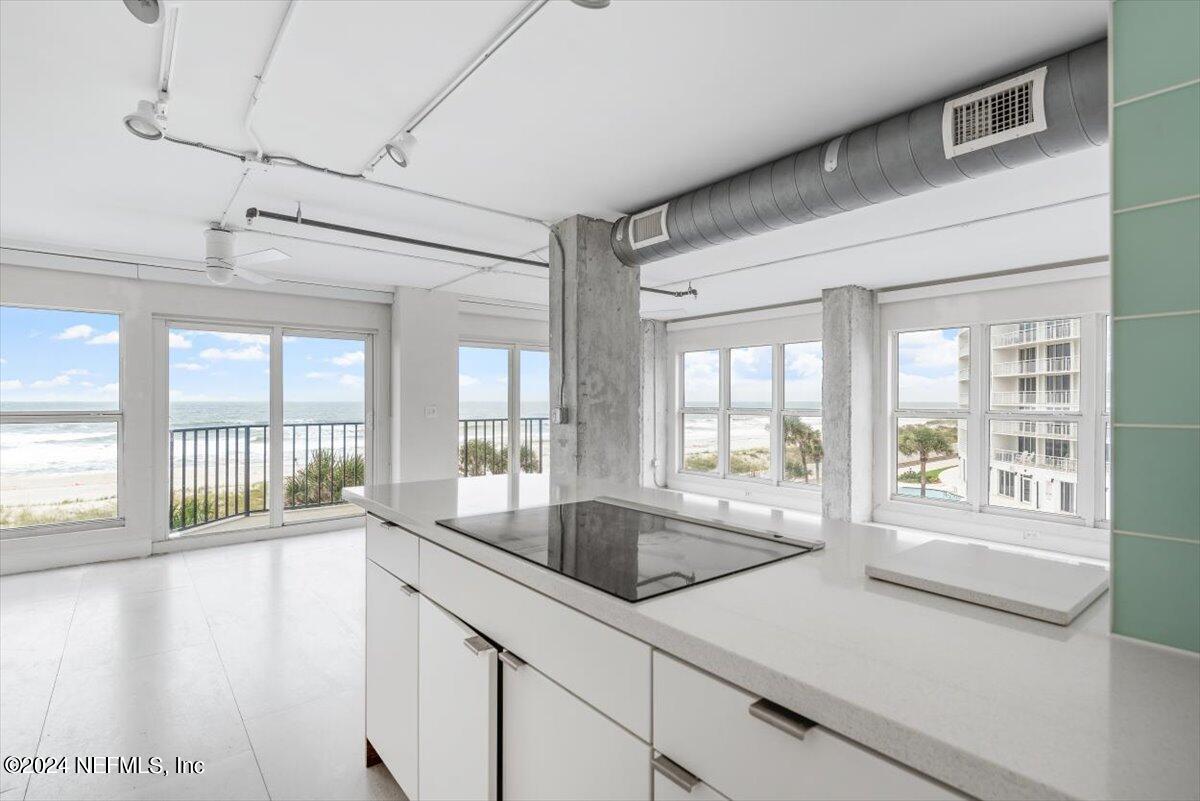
(1054, 364)
(221, 471)
(1057, 399)
(1046, 331)
(1033, 428)
(483, 445)
(1061, 464)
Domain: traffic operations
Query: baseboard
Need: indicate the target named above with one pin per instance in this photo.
(22, 556)
(196, 541)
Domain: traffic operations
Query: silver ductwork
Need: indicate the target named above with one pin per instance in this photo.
(1049, 109)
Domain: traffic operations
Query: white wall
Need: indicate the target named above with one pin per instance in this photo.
(143, 381)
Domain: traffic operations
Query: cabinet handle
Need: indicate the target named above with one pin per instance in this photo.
(409, 591)
(781, 718)
(478, 645)
(684, 780)
(512, 660)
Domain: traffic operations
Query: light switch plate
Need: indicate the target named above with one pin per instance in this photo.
(431, 411)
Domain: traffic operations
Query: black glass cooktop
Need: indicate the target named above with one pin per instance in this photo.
(628, 551)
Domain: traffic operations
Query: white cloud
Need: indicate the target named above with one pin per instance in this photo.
(60, 380)
(928, 349)
(190, 367)
(178, 341)
(11, 384)
(110, 389)
(348, 380)
(109, 338)
(245, 339)
(250, 353)
(347, 359)
(318, 376)
(3, 360)
(942, 390)
(80, 331)
(467, 380)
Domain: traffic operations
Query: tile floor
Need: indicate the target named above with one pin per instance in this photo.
(248, 657)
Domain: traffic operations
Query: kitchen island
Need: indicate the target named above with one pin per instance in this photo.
(802, 678)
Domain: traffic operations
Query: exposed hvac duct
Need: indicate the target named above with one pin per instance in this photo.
(1049, 109)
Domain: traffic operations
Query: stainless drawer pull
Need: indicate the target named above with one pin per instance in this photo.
(409, 591)
(684, 780)
(478, 645)
(781, 718)
(512, 660)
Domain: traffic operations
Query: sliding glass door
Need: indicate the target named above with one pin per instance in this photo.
(266, 426)
(503, 410)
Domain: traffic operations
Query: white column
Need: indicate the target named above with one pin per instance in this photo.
(424, 385)
(848, 347)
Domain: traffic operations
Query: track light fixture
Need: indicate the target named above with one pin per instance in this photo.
(401, 148)
(149, 121)
(584, 3)
(146, 11)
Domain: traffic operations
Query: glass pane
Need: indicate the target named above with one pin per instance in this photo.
(57, 473)
(482, 411)
(935, 369)
(700, 443)
(802, 376)
(220, 389)
(1035, 366)
(1107, 471)
(701, 379)
(58, 360)
(802, 449)
(750, 445)
(931, 458)
(535, 411)
(1034, 465)
(324, 428)
(750, 378)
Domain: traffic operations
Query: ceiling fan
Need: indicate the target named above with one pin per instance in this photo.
(221, 265)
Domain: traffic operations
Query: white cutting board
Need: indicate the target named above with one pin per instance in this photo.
(1044, 589)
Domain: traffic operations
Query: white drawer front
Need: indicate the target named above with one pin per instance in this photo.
(608, 669)
(705, 725)
(393, 549)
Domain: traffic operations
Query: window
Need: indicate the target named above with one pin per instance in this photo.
(503, 400)
(1067, 497)
(932, 380)
(1006, 483)
(60, 419)
(752, 412)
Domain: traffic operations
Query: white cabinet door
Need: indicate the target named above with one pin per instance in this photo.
(557, 748)
(392, 613)
(458, 708)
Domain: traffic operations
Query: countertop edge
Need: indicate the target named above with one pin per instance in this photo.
(940, 760)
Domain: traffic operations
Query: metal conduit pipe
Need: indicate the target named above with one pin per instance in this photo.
(1049, 109)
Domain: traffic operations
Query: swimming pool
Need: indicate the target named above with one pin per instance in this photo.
(930, 492)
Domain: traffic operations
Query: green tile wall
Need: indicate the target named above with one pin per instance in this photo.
(1156, 321)
(1156, 259)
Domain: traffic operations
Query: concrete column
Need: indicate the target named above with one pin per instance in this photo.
(848, 347)
(424, 385)
(655, 374)
(595, 355)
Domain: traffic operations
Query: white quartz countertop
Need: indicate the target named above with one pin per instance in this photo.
(997, 705)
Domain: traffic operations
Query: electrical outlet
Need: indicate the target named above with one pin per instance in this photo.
(430, 412)
(560, 415)
(1029, 535)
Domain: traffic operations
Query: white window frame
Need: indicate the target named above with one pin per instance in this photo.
(96, 416)
(513, 393)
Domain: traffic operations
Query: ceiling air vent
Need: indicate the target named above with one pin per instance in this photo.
(1007, 110)
(649, 227)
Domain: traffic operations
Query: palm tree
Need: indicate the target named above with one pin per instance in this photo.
(806, 441)
(924, 441)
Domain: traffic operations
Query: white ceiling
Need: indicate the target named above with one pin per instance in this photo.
(595, 112)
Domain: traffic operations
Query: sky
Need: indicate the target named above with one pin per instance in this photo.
(66, 356)
(483, 379)
(750, 376)
(929, 368)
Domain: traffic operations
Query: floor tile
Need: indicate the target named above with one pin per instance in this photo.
(163, 572)
(120, 626)
(236, 777)
(43, 585)
(302, 761)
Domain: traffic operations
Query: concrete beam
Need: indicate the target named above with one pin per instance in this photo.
(595, 355)
(848, 348)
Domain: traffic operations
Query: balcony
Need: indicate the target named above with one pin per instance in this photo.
(1005, 336)
(1031, 428)
(1055, 364)
(219, 473)
(1061, 464)
(1043, 399)
(483, 445)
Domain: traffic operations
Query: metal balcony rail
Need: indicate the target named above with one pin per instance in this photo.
(1054, 399)
(483, 445)
(221, 471)
(1032, 428)
(1061, 464)
(1054, 364)
(1045, 331)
